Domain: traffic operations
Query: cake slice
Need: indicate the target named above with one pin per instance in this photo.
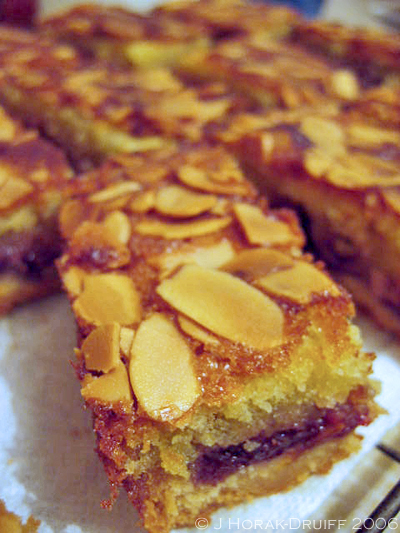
(33, 176)
(128, 38)
(218, 360)
(94, 109)
(373, 54)
(273, 73)
(341, 168)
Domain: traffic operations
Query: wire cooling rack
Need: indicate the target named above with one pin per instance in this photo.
(386, 511)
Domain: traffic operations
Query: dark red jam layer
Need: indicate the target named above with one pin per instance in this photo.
(215, 463)
(28, 253)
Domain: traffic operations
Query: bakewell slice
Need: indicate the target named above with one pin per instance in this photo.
(94, 109)
(33, 177)
(124, 37)
(342, 169)
(273, 73)
(218, 360)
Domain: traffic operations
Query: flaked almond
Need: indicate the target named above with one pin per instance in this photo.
(110, 388)
(101, 246)
(196, 332)
(73, 280)
(299, 283)
(392, 197)
(13, 190)
(8, 127)
(209, 257)
(186, 230)
(225, 305)
(118, 225)
(108, 298)
(114, 191)
(142, 202)
(362, 171)
(258, 262)
(126, 340)
(366, 135)
(324, 133)
(72, 214)
(262, 229)
(198, 178)
(179, 202)
(317, 162)
(345, 84)
(101, 348)
(161, 370)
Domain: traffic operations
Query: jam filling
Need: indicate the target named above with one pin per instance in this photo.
(216, 463)
(28, 253)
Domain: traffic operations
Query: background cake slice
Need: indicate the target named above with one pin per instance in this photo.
(219, 361)
(93, 108)
(33, 177)
(341, 168)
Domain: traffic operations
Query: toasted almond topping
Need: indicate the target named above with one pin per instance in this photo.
(109, 388)
(72, 214)
(126, 340)
(200, 179)
(161, 370)
(12, 190)
(324, 133)
(108, 298)
(93, 239)
(101, 348)
(365, 135)
(175, 230)
(298, 283)
(221, 207)
(143, 202)
(258, 262)
(73, 280)
(392, 197)
(260, 228)
(317, 162)
(225, 305)
(209, 257)
(178, 202)
(187, 106)
(355, 173)
(197, 332)
(8, 127)
(118, 225)
(345, 85)
(155, 79)
(20, 219)
(115, 190)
